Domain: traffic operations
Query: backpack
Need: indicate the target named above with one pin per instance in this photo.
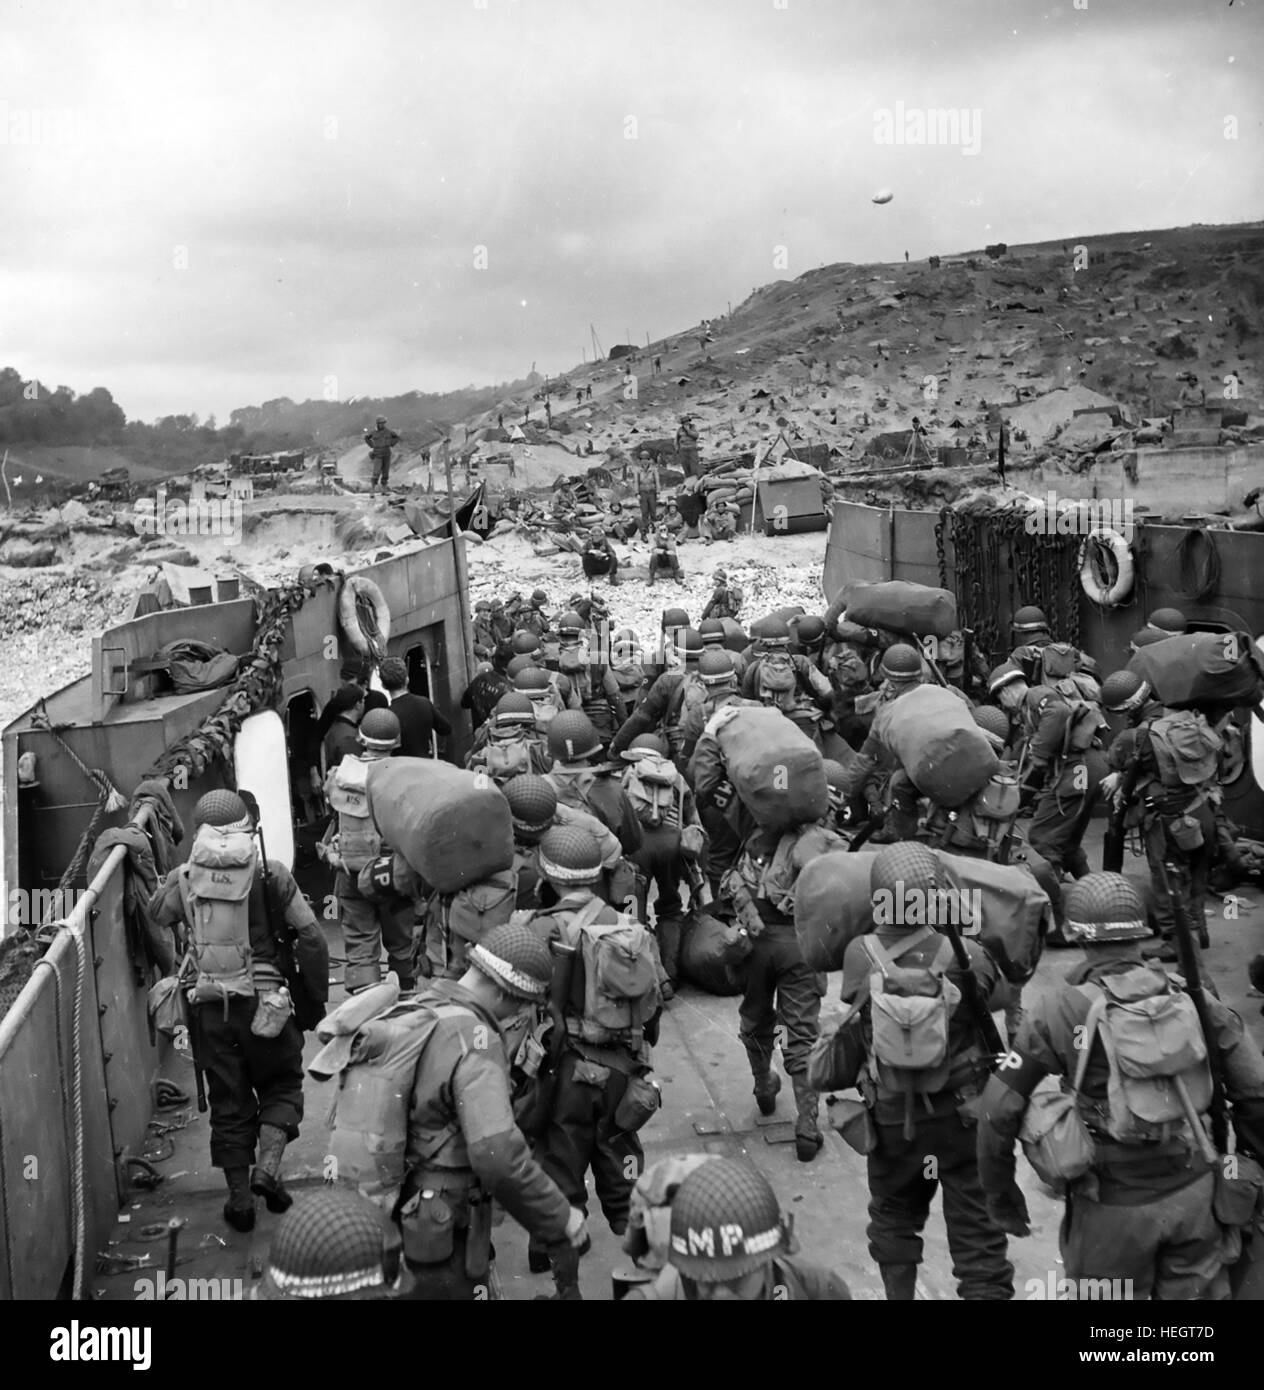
(1082, 727)
(358, 840)
(621, 992)
(909, 1014)
(990, 813)
(215, 889)
(652, 786)
(1058, 660)
(1186, 748)
(1159, 1073)
(503, 760)
(369, 1120)
(475, 909)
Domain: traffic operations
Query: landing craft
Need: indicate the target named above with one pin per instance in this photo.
(883, 195)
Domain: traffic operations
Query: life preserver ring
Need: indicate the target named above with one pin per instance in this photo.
(1124, 568)
(356, 589)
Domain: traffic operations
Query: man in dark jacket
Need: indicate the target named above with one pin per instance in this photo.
(255, 1082)
(381, 441)
(599, 556)
(418, 718)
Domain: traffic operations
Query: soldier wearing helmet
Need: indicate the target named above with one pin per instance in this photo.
(672, 839)
(576, 748)
(510, 743)
(543, 689)
(535, 809)
(598, 556)
(1168, 621)
(349, 845)
(922, 1114)
(629, 668)
(790, 683)
(463, 1149)
(665, 706)
(254, 1079)
(719, 521)
(381, 440)
(486, 641)
(1030, 628)
(596, 691)
(729, 1241)
(598, 1063)
(726, 599)
(1144, 1210)
(1170, 797)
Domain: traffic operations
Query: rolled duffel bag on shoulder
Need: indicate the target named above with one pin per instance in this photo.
(832, 905)
(1203, 668)
(776, 770)
(713, 954)
(901, 606)
(933, 734)
(451, 827)
(1013, 911)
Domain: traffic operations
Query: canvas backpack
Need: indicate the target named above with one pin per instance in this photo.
(506, 759)
(474, 910)
(1058, 660)
(1186, 749)
(215, 888)
(1084, 723)
(653, 787)
(358, 840)
(1160, 1079)
(621, 993)
(910, 1010)
(991, 812)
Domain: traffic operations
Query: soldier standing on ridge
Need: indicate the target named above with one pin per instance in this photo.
(381, 441)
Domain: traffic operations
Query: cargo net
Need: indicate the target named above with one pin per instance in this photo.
(994, 564)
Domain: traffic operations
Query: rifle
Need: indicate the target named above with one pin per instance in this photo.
(1116, 835)
(985, 1024)
(1194, 985)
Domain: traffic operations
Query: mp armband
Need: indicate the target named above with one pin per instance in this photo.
(1022, 1074)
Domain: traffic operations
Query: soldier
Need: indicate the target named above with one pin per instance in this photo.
(531, 617)
(574, 746)
(719, 521)
(790, 683)
(687, 446)
(483, 693)
(1168, 621)
(1141, 1209)
(715, 639)
(535, 809)
(350, 843)
(603, 1047)
(381, 441)
(672, 838)
(543, 689)
(599, 556)
(595, 687)
(1164, 768)
(666, 706)
(509, 743)
(730, 1243)
(807, 639)
(725, 600)
(644, 476)
(243, 1031)
(922, 1120)
(628, 667)
(663, 557)
(334, 1246)
(463, 1148)
(485, 639)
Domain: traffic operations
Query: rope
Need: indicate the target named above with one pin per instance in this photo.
(1197, 582)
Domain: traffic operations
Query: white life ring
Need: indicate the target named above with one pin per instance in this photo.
(1122, 554)
(355, 587)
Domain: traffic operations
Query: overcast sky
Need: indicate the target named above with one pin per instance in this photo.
(208, 204)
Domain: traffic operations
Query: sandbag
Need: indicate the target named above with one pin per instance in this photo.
(901, 606)
(1014, 911)
(713, 954)
(1203, 667)
(832, 906)
(451, 827)
(933, 734)
(774, 767)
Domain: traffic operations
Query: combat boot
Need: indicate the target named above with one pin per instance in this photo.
(239, 1210)
(900, 1282)
(807, 1130)
(565, 1262)
(265, 1181)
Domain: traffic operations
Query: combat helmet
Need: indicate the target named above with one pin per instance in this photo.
(379, 730)
(524, 642)
(512, 710)
(726, 1223)
(716, 668)
(1104, 907)
(1005, 674)
(532, 803)
(515, 959)
(646, 743)
(1030, 619)
(569, 854)
(572, 738)
(1168, 620)
(711, 630)
(901, 664)
(810, 632)
(994, 722)
(1124, 690)
(221, 808)
(900, 869)
(335, 1246)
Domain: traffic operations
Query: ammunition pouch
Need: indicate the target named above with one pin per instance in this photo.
(427, 1222)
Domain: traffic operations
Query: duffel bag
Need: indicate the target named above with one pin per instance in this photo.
(901, 606)
(832, 905)
(1014, 912)
(1203, 667)
(774, 767)
(452, 827)
(735, 638)
(933, 734)
(713, 954)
